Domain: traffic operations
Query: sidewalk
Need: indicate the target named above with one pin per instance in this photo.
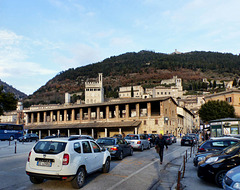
(7, 150)
(192, 181)
(169, 175)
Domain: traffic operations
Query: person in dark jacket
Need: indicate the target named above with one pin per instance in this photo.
(160, 142)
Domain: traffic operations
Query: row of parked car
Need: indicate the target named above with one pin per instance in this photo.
(72, 158)
(217, 160)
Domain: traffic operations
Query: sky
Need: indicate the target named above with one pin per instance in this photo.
(41, 38)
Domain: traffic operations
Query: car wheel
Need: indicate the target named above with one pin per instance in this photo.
(219, 178)
(131, 151)
(120, 157)
(106, 166)
(11, 138)
(36, 180)
(142, 148)
(79, 179)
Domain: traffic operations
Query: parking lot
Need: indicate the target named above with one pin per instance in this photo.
(140, 171)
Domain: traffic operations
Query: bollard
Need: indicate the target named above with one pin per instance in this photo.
(178, 182)
(15, 146)
(191, 152)
(186, 156)
(183, 167)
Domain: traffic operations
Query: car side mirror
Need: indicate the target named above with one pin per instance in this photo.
(103, 149)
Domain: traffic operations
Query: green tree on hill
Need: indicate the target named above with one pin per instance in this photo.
(8, 102)
(216, 110)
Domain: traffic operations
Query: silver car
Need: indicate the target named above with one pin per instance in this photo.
(138, 141)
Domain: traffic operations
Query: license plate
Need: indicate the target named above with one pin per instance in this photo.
(132, 142)
(45, 164)
(186, 142)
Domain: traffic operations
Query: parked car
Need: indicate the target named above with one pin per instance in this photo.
(217, 143)
(231, 180)
(118, 136)
(196, 136)
(211, 146)
(187, 140)
(68, 159)
(29, 137)
(139, 141)
(117, 147)
(174, 139)
(216, 165)
(151, 138)
(168, 139)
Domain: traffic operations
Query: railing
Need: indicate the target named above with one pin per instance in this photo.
(181, 171)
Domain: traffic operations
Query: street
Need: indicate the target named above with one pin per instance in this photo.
(140, 171)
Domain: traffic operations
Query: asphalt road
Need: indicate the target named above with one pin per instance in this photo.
(140, 171)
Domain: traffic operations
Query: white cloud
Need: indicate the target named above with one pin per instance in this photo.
(78, 55)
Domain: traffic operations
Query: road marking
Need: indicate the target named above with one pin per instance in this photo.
(136, 172)
(123, 176)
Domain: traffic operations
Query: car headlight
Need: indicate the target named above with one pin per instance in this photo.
(212, 159)
(236, 186)
(24, 137)
(200, 158)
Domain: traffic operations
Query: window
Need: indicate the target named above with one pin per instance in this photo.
(220, 144)
(77, 147)
(229, 99)
(145, 122)
(161, 93)
(86, 147)
(169, 92)
(95, 147)
(156, 122)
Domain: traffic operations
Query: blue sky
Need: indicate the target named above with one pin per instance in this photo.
(40, 38)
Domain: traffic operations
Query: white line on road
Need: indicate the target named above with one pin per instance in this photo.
(136, 172)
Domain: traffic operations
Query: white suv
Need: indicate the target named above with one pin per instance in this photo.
(66, 159)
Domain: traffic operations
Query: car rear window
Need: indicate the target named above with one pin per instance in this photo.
(106, 141)
(49, 147)
(187, 138)
(220, 144)
(131, 137)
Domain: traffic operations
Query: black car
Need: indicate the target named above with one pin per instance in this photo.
(215, 166)
(29, 137)
(187, 140)
(168, 139)
(212, 146)
(117, 147)
(216, 144)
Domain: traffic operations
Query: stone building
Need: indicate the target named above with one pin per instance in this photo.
(128, 91)
(153, 115)
(193, 103)
(94, 92)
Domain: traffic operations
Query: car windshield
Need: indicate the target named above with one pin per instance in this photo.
(187, 137)
(106, 141)
(130, 137)
(231, 149)
(49, 147)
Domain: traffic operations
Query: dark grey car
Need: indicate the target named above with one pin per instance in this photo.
(117, 147)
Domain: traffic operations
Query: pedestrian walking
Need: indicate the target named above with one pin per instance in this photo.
(160, 142)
